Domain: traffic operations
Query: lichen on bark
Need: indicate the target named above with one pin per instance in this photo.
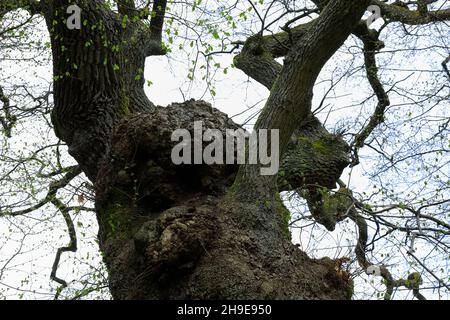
(199, 235)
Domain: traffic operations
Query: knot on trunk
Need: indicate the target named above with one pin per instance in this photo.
(139, 160)
(177, 239)
(328, 208)
(314, 157)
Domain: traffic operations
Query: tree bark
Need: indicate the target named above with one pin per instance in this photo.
(192, 232)
(177, 232)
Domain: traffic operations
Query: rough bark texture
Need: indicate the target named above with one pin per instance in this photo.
(173, 232)
(193, 232)
(98, 73)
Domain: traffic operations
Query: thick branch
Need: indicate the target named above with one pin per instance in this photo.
(289, 103)
(127, 7)
(412, 17)
(157, 21)
(104, 74)
(314, 157)
(256, 61)
(371, 45)
(290, 100)
(154, 44)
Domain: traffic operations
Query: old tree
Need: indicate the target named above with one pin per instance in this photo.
(222, 231)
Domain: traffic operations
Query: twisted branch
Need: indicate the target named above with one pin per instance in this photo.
(414, 279)
(72, 247)
(51, 194)
(371, 46)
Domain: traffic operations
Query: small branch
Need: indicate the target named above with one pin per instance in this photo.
(51, 194)
(55, 173)
(429, 271)
(257, 13)
(15, 27)
(444, 65)
(414, 279)
(307, 13)
(72, 172)
(72, 247)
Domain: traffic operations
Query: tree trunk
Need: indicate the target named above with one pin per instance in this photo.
(200, 231)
